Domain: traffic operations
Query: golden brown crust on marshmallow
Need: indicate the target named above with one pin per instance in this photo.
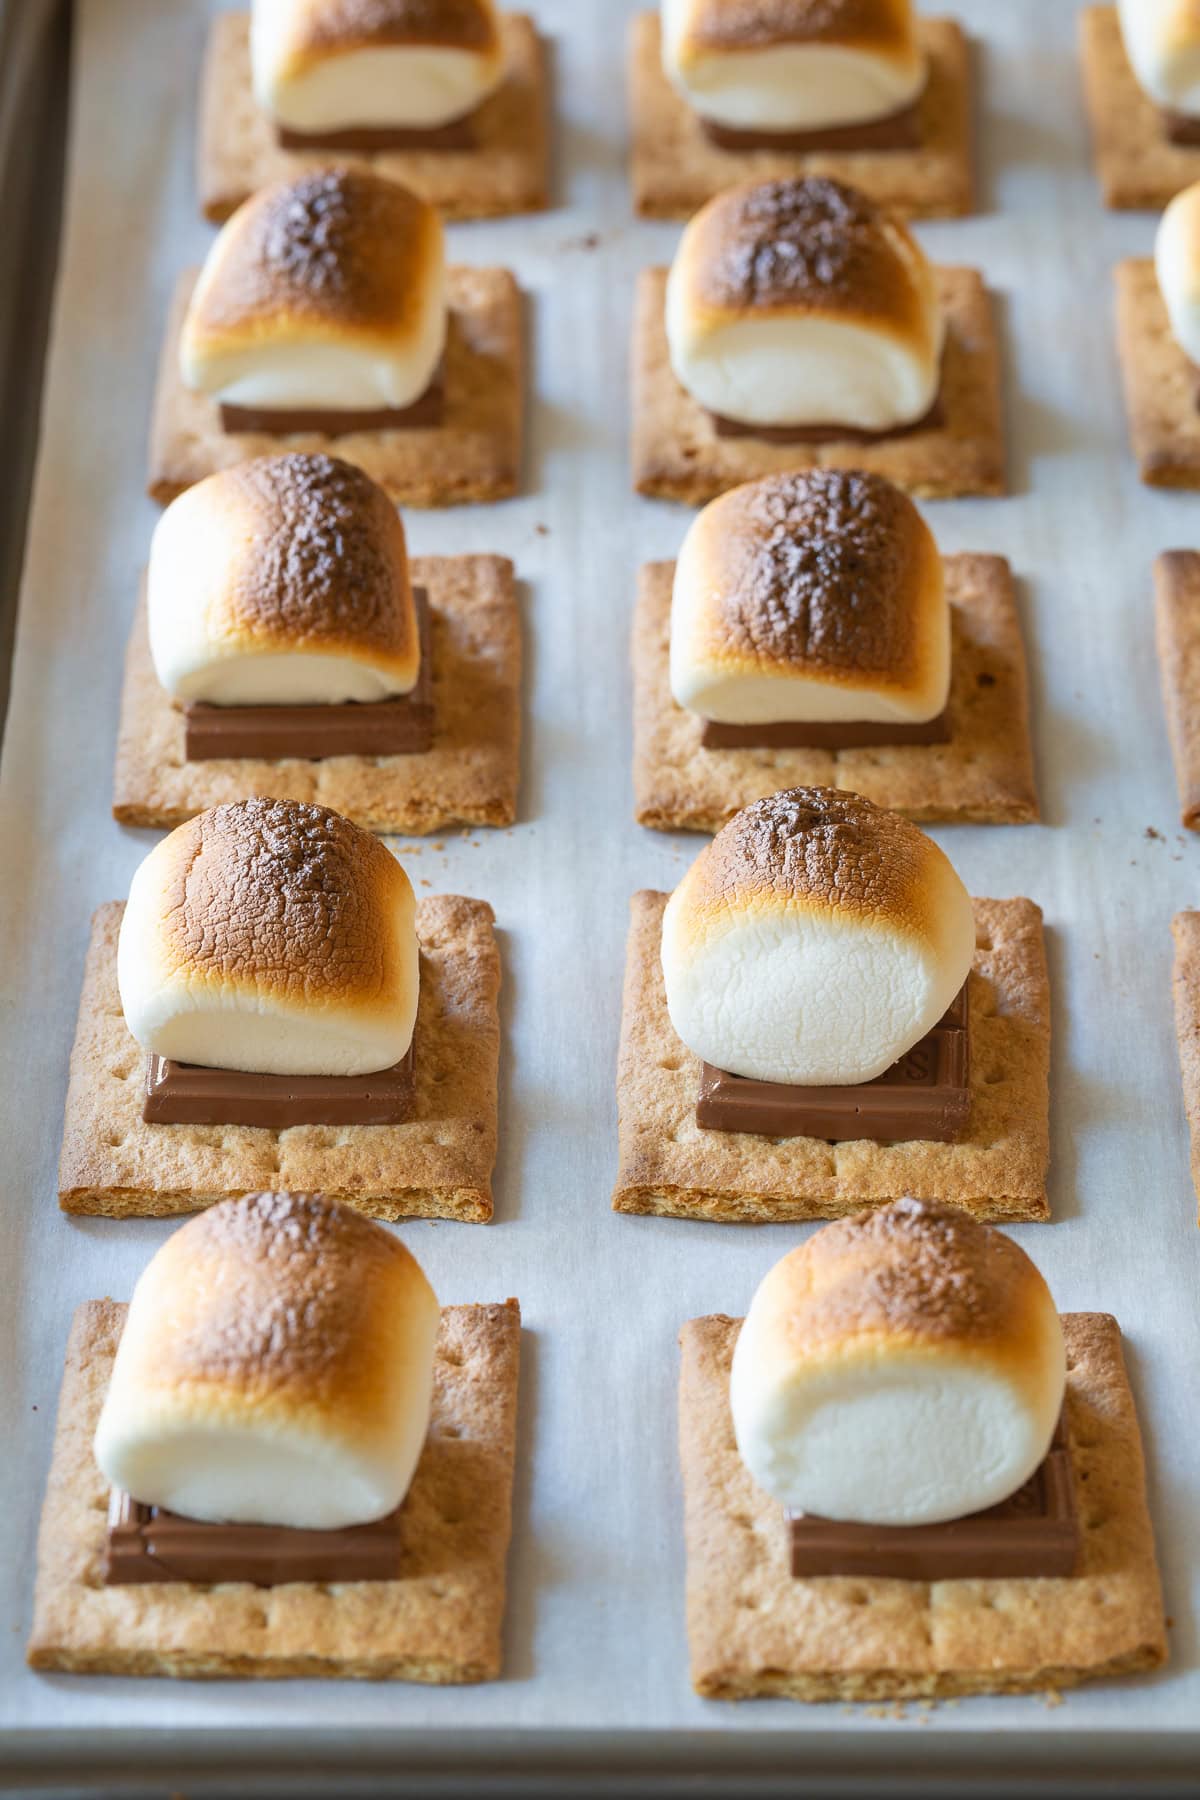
(830, 570)
(328, 26)
(290, 895)
(806, 245)
(322, 562)
(915, 1272)
(820, 848)
(881, 26)
(280, 1294)
(334, 244)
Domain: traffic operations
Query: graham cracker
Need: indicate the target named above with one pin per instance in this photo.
(676, 168)
(437, 1165)
(1138, 165)
(984, 774)
(508, 170)
(474, 454)
(1177, 631)
(1159, 379)
(669, 1165)
(755, 1629)
(439, 1621)
(677, 454)
(1185, 928)
(467, 777)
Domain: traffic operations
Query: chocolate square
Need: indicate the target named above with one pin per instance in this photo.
(424, 413)
(900, 130)
(1034, 1532)
(925, 1095)
(399, 727)
(148, 1543)
(1180, 128)
(459, 134)
(189, 1094)
(822, 734)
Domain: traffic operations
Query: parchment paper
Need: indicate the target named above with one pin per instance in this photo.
(595, 1626)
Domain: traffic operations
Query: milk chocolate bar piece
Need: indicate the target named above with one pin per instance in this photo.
(399, 727)
(926, 1095)
(725, 427)
(823, 734)
(459, 134)
(187, 1094)
(147, 1543)
(1034, 1532)
(1180, 128)
(424, 414)
(900, 130)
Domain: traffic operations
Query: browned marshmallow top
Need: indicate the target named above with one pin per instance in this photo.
(824, 847)
(273, 1290)
(292, 895)
(325, 563)
(916, 1269)
(829, 569)
(326, 25)
(800, 245)
(333, 241)
(754, 24)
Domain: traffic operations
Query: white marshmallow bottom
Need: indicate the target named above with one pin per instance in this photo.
(216, 1456)
(1177, 266)
(896, 1441)
(1169, 72)
(793, 87)
(811, 1000)
(399, 86)
(800, 371)
(337, 377)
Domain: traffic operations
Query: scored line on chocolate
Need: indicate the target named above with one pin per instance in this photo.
(148, 1543)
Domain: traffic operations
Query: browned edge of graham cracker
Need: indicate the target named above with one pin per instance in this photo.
(473, 455)
(754, 1629)
(507, 172)
(984, 774)
(1185, 981)
(439, 1622)
(675, 168)
(669, 1165)
(436, 1165)
(468, 776)
(677, 454)
(1177, 633)
(1138, 165)
(1159, 380)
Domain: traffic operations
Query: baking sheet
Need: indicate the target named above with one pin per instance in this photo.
(595, 1637)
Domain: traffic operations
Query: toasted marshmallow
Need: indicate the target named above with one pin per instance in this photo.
(1162, 42)
(797, 302)
(328, 291)
(1177, 265)
(282, 582)
(810, 597)
(902, 1367)
(274, 937)
(322, 66)
(276, 1368)
(793, 65)
(814, 941)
